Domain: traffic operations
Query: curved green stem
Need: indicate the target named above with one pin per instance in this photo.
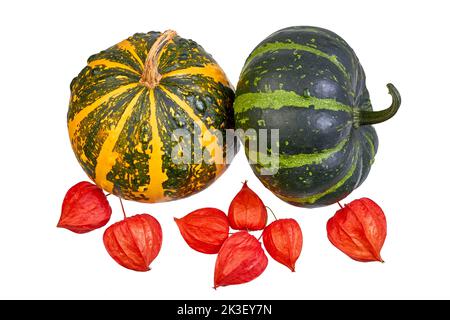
(373, 117)
(272, 213)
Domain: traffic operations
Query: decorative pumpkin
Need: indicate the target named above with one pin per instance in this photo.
(308, 83)
(125, 105)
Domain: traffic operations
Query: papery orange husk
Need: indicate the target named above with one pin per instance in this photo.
(359, 230)
(134, 242)
(204, 230)
(247, 211)
(241, 259)
(85, 208)
(283, 241)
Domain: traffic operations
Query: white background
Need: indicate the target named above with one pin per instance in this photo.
(44, 44)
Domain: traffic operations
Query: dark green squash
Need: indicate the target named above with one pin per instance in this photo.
(308, 83)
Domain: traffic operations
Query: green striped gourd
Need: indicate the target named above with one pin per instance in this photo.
(128, 100)
(308, 83)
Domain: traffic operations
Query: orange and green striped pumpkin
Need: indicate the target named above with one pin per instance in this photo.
(128, 100)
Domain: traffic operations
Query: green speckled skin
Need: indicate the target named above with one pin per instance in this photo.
(308, 83)
(121, 129)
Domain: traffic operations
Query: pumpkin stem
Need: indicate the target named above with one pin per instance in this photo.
(150, 78)
(373, 117)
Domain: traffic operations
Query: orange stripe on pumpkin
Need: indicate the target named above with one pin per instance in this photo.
(212, 71)
(155, 191)
(83, 113)
(111, 64)
(208, 140)
(128, 46)
(108, 157)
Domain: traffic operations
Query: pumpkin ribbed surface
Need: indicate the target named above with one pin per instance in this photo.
(308, 83)
(125, 105)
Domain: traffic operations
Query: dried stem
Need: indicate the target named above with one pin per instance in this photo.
(151, 77)
(123, 209)
(272, 213)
